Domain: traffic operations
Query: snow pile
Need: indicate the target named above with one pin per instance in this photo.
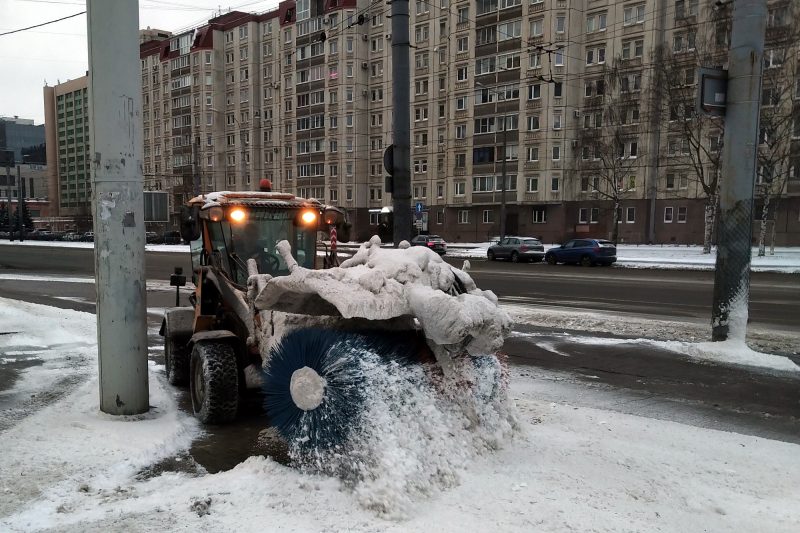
(417, 433)
(382, 284)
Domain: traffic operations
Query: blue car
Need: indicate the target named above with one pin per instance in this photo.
(585, 252)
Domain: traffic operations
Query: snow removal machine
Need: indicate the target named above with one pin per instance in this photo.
(274, 309)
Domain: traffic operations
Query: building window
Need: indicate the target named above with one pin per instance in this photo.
(488, 216)
(668, 215)
(630, 215)
(554, 183)
(539, 215)
(633, 15)
(459, 188)
(440, 217)
(463, 216)
(682, 215)
(557, 152)
(532, 184)
(583, 215)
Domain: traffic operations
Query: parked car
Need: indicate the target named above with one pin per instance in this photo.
(151, 237)
(517, 249)
(172, 237)
(434, 242)
(586, 252)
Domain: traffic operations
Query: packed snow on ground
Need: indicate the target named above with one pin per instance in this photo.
(686, 338)
(69, 467)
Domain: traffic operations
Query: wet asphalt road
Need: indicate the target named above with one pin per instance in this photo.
(670, 294)
(630, 378)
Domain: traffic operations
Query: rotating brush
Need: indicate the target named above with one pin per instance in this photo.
(314, 383)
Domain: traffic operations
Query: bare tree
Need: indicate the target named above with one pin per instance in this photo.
(778, 115)
(609, 153)
(699, 135)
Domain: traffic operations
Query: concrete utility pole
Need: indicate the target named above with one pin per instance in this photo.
(195, 168)
(8, 203)
(401, 102)
(505, 178)
(115, 100)
(732, 276)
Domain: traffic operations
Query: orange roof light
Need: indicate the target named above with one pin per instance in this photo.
(237, 215)
(308, 217)
(215, 214)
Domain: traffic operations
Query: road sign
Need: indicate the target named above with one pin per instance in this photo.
(712, 96)
(388, 159)
(420, 207)
(156, 206)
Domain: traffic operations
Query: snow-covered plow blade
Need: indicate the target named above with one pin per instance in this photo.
(337, 339)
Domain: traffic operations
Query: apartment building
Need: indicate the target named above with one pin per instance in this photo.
(531, 90)
(66, 107)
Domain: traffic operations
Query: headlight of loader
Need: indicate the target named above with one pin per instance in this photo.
(237, 215)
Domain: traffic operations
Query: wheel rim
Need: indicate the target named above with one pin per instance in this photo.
(198, 386)
(586, 261)
(515, 257)
(551, 260)
(167, 357)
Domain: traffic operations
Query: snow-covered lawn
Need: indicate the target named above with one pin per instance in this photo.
(66, 466)
(786, 259)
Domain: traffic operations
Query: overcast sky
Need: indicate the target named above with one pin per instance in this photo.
(58, 51)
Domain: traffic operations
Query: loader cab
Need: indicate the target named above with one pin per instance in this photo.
(228, 229)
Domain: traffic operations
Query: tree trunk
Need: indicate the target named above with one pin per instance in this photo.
(762, 231)
(615, 223)
(708, 223)
(772, 235)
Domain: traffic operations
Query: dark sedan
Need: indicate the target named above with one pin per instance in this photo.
(586, 252)
(433, 242)
(517, 249)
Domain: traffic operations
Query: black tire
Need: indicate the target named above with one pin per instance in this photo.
(176, 360)
(514, 257)
(550, 258)
(490, 255)
(586, 261)
(214, 382)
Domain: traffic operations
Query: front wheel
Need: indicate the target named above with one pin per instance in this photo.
(514, 257)
(214, 382)
(550, 258)
(586, 261)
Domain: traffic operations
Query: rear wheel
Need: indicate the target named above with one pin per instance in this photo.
(550, 258)
(514, 257)
(586, 261)
(490, 255)
(176, 359)
(214, 382)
